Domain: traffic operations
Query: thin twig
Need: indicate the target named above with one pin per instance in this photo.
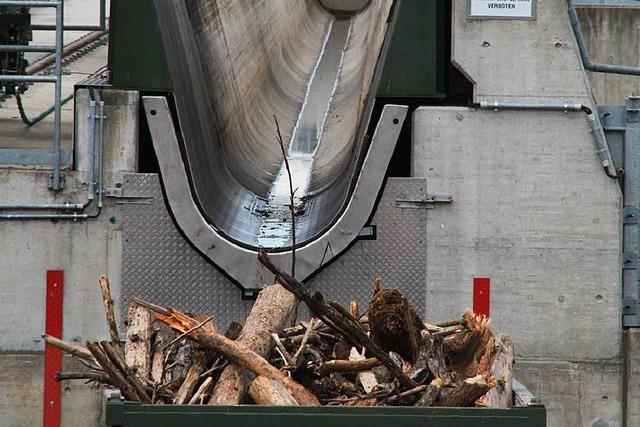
(291, 361)
(292, 207)
(187, 332)
(303, 344)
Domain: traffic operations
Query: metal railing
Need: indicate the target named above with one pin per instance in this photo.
(56, 182)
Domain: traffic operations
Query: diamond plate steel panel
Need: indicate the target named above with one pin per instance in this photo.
(160, 265)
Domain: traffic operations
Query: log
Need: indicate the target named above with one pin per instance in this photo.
(235, 351)
(266, 391)
(466, 349)
(162, 336)
(347, 365)
(70, 348)
(431, 394)
(191, 379)
(464, 393)
(500, 360)
(108, 310)
(270, 314)
(181, 363)
(137, 347)
(91, 376)
(329, 315)
(394, 323)
(366, 378)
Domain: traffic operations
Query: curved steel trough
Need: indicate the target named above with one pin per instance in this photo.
(237, 65)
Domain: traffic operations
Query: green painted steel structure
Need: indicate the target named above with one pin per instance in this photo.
(416, 62)
(123, 414)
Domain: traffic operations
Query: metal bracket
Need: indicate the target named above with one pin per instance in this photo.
(60, 184)
(629, 260)
(121, 199)
(428, 203)
(629, 306)
(630, 215)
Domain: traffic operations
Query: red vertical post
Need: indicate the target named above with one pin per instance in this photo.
(52, 356)
(481, 296)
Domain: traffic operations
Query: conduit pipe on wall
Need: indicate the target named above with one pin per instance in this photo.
(602, 148)
(74, 216)
(584, 53)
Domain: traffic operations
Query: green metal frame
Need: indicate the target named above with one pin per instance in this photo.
(415, 64)
(126, 414)
(136, 53)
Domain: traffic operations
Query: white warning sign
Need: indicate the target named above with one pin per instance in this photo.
(505, 9)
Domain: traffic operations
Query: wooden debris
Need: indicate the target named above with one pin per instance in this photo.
(394, 323)
(498, 363)
(366, 378)
(267, 391)
(347, 365)
(270, 314)
(171, 357)
(108, 309)
(137, 347)
(328, 314)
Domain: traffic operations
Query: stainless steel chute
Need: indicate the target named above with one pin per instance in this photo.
(235, 66)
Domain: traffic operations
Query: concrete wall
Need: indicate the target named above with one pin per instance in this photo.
(612, 35)
(83, 249)
(532, 210)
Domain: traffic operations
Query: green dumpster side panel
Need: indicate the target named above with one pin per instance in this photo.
(137, 415)
(415, 65)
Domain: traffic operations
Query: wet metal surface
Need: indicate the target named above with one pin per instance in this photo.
(275, 230)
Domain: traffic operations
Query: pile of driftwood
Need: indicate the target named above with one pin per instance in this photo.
(382, 355)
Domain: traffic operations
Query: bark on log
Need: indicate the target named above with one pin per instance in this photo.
(500, 360)
(235, 351)
(137, 347)
(108, 309)
(395, 325)
(270, 314)
(266, 391)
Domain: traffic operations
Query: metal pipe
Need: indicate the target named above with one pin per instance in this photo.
(26, 48)
(101, 156)
(509, 105)
(584, 53)
(602, 148)
(18, 78)
(73, 216)
(92, 148)
(30, 3)
(51, 206)
(58, 97)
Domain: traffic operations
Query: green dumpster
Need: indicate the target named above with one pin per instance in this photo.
(128, 414)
